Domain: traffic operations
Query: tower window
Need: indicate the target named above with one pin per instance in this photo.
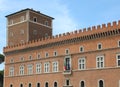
(35, 19)
(11, 22)
(22, 18)
(46, 23)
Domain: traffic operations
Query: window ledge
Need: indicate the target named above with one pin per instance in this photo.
(67, 86)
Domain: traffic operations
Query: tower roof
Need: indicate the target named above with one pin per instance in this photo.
(29, 10)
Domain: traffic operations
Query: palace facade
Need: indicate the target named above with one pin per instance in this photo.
(88, 57)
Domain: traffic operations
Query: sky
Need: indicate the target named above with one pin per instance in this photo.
(70, 15)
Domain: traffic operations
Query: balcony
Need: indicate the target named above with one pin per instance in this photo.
(67, 72)
(67, 86)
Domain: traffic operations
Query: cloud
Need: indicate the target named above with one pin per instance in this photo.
(63, 21)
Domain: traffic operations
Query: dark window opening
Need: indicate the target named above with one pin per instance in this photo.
(38, 84)
(35, 19)
(82, 84)
(21, 85)
(11, 85)
(46, 84)
(55, 84)
(101, 83)
(30, 85)
(67, 82)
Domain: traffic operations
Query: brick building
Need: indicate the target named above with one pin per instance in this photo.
(83, 58)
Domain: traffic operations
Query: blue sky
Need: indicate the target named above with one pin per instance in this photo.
(69, 15)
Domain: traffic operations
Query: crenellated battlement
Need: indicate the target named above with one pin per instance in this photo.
(65, 36)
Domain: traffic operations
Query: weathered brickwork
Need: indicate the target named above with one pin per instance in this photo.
(96, 64)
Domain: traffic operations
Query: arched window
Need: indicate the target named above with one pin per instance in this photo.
(11, 85)
(82, 84)
(55, 84)
(21, 85)
(46, 84)
(101, 83)
(38, 84)
(30, 85)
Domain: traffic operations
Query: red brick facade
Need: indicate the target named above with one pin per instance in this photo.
(83, 58)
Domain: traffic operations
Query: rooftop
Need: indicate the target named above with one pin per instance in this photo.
(29, 10)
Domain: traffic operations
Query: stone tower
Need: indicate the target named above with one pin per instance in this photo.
(27, 25)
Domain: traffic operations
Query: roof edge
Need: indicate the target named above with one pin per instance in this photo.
(30, 10)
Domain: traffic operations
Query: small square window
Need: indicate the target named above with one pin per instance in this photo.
(46, 23)
(38, 56)
(21, 58)
(55, 53)
(99, 46)
(67, 51)
(30, 57)
(11, 22)
(35, 19)
(81, 49)
(46, 55)
(119, 43)
(12, 60)
(22, 18)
